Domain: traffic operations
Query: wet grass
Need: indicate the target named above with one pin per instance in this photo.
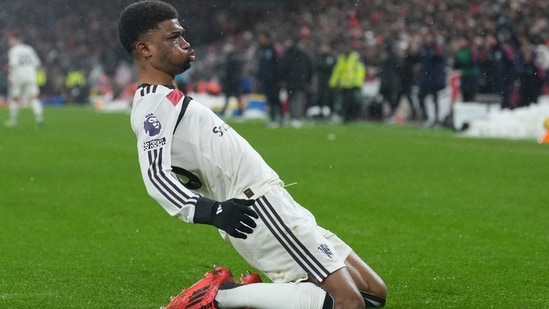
(446, 221)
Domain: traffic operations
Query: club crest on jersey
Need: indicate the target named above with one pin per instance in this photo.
(152, 125)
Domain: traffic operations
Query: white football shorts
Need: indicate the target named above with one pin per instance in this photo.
(24, 89)
(287, 245)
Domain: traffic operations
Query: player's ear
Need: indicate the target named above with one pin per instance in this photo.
(142, 49)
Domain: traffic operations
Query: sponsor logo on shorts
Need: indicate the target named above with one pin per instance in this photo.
(326, 250)
(153, 144)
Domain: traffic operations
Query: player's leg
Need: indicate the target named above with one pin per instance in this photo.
(288, 246)
(38, 110)
(435, 105)
(275, 107)
(344, 292)
(13, 104)
(225, 104)
(421, 96)
(367, 281)
(347, 104)
(35, 103)
(370, 284)
(337, 291)
(301, 295)
(14, 112)
(218, 290)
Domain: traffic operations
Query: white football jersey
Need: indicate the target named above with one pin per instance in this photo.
(23, 63)
(186, 151)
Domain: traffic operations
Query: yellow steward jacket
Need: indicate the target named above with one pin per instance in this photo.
(75, 79)
(349, 72)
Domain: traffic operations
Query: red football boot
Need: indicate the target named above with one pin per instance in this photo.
(201, 295)
(248, 278)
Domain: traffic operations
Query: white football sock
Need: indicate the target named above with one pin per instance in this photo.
(302, 295)
(14, 110)
(38, 110)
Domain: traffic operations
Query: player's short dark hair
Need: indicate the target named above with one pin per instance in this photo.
(140, 17)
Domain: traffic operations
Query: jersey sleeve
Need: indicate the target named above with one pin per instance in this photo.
(36, 59)
(12, 60)
(154, 124)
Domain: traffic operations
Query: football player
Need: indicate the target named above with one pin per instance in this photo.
(23, 86)
(202, 171)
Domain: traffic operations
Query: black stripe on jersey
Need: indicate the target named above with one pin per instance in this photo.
(289, 240)
(184, 106)
(157, 179)
(144, 89)
(164, 184)
(147, 88)
(174, 185)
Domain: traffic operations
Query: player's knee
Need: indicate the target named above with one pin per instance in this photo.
(354, 302)
(373, 300)
(379, 289)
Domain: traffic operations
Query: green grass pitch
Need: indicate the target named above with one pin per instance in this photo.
(447, 221)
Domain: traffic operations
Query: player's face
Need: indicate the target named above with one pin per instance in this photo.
(12, 41)
(172, 54)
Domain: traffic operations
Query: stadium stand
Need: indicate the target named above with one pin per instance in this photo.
(82, 34)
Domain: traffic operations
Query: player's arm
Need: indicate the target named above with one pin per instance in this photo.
(155, 134)
(36, 60)
(12, 64)
(12, 58)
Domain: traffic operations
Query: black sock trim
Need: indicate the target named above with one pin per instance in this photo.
(372, 300)
(229, 285)
(328, 302)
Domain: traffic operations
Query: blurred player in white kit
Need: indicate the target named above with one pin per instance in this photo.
(23, 87)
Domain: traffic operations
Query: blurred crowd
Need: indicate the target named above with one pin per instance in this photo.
(499, 47)
(412, 48)
(78, 44)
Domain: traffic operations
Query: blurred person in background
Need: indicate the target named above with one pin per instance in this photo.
(531, 77)
(23, 89)
(231, 77)
(466, 61)
(42, 80)
(268, 57)
(499, 63)
(324, 66)
(432, 75)
(347, 79)
(390, 80)
(296, 72)
(408, 77)
(76, 86)
(542, 57)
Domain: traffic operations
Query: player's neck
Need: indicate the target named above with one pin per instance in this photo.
(154, 77)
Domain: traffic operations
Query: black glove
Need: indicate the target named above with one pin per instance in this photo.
(234, 216)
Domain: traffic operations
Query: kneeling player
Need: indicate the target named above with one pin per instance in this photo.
(202, 171)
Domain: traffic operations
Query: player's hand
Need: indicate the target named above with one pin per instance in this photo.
(234, 216)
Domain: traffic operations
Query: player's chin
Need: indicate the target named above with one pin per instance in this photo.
(186, 66)
(180, 68)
